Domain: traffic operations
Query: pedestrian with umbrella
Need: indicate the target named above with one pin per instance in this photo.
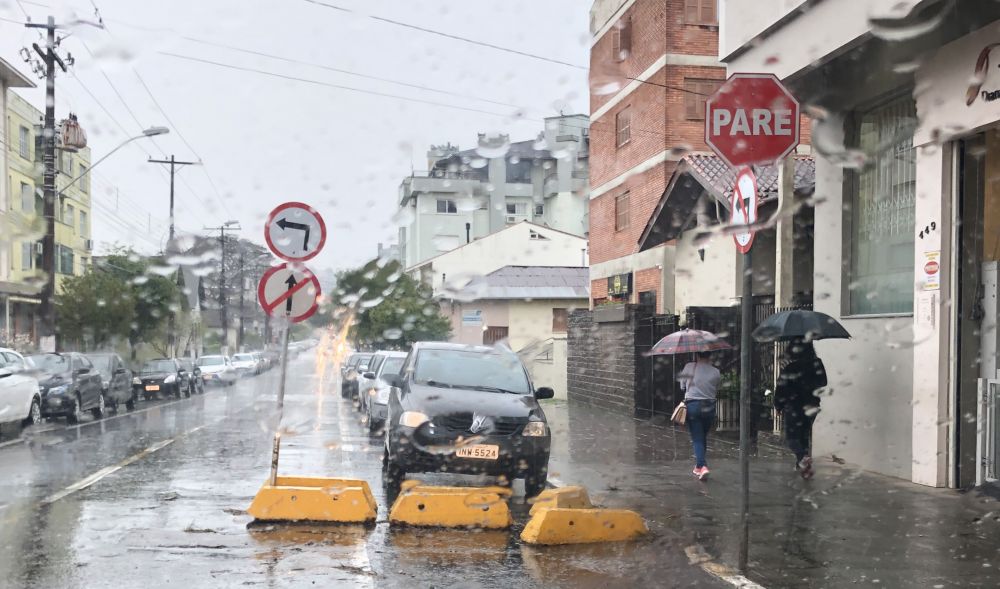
(802, 375)
(700, 381)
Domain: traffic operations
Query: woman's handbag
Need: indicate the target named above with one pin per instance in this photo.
(680, 414)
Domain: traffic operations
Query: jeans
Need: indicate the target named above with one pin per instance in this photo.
(700, 419)
(798, 432)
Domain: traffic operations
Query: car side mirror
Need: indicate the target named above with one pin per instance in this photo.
(119, 371)
(5, 372)
(369, 375)
(80, 371)
(544, 393)
(393, 380)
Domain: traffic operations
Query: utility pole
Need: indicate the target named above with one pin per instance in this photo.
(172, 320)
(223, 313)
(239, 334)
(47, 327)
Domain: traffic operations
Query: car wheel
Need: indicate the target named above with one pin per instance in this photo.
(34, 413)
(77, 413)
(98, 411)
(392, 475)
(534, 482)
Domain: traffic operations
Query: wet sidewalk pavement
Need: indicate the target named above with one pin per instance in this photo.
(844, 528)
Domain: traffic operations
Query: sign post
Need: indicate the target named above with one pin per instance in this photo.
(751, 119)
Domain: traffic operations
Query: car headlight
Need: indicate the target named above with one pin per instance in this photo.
(170, 379)
(535, 428)
(382, 396)
(58, 390)
(412, 419)
(135, 380)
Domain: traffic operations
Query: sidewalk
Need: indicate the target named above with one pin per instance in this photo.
(844, 528)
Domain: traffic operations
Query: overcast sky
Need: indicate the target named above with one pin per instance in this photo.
(265, 139)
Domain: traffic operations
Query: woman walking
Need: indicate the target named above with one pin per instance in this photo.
(795, 396)
(700, 381)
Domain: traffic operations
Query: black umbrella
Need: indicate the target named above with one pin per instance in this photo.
(800, 324)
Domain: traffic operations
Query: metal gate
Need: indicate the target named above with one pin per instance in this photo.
(988, 427)
(656, 390)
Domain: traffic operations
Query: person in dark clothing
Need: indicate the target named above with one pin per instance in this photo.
(795, 395)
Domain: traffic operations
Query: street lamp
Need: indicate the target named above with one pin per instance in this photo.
(150, 132)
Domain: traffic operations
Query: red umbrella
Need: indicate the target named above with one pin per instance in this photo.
(687, 341)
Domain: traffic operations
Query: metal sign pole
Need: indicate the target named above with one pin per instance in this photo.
(281, 402)
(746, 308)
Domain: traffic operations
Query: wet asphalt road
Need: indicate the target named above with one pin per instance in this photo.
(157, 498)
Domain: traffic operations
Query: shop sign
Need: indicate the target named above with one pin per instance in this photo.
(620, 285)
(473, 318)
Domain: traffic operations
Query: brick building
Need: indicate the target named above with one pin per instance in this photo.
(652, 63)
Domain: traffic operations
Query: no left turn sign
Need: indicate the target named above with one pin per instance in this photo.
(295, 232)
(289, 291)
(744, 211)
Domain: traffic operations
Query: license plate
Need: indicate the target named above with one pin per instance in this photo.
(482, 452)
(152, 387)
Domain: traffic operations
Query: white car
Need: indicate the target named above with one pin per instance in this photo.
(246, 364)
(20, 399)
(217, 370)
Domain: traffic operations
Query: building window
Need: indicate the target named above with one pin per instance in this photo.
(696, 92)
(539, 210)
(83, 224)
(560, 320)
(445, 205)
(65, 259)
(517, 208)
(701, 12)
(84, 179)
(623, 126)
(27, 199)
(622, 38)
(621, 212)
(24, 146)
(27, 253)
(519, 172)
(70, 217)
(882, 211)
(536, 236)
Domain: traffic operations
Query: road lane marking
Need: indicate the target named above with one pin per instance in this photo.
(697, 555)
(12, 442)
(108, 470)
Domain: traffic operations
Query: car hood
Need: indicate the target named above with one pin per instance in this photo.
(47, 380)
(433, 401)
(212, 369)
(154, 375)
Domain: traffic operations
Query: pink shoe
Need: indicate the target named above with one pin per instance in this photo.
(703, 474)
(806, 468)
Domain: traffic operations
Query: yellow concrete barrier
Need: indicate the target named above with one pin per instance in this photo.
(564, 497)
(582, 526)
(451, 507)
(314, 499)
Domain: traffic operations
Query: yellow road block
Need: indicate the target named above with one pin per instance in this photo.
(314, 499)
(565, 497)
(582, 526)
(451, 507)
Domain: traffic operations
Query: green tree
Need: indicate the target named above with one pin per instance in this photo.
(391, 308)
(95, 308)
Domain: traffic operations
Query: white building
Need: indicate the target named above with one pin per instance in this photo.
(907, 219)
(465, 195)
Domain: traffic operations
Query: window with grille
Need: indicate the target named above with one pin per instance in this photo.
(83, 223)
(882, 211)
(621, 212)
(623, 126)
(696, 92)
(27, 254)
(701, 12)
(622, 38)
(70, 218)
(24, 144)
(65, 259)
(27, 199)
(445, 205)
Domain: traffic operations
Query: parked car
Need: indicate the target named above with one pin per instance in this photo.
(364, 383)
(116, 380)
(245, 364)
(69, 385)
(20, 399)
(376, 394)
(163, 376)
(477, 403)
(194, 376)
(217, 370)
(349, 383)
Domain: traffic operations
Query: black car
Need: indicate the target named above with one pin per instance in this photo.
(163, 376)
(116, 380)
(356, 365)
(69, 385)
(194, 376)
(465, 409)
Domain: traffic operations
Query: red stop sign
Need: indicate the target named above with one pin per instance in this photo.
(752, 119)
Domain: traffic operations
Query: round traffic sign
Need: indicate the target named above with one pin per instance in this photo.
(744, 208)
(289, 290)
(931, 268)
(752, 119)
(295, 232)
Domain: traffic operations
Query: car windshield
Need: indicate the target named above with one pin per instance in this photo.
(243, 358)
(102, 362)
(154, 366)
(392, 366)
(211, 361)
(487, 370)
(53, 363)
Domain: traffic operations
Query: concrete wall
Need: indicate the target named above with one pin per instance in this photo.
(601, 363)
(709, 283)
(494, 314)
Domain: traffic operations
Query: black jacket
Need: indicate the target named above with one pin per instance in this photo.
(797, 384)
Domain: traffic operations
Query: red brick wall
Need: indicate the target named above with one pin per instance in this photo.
(682, 131)
(599, 289)
(644, 190)
(648, 133)
(689, 39)
(648, 45)
(648, 279)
